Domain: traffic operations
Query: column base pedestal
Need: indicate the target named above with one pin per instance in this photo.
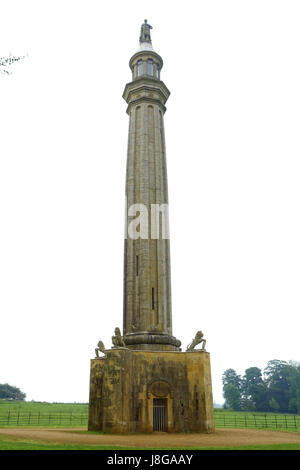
(147, 391)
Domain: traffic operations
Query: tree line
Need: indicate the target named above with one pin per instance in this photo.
(275, 389)
(8, 392)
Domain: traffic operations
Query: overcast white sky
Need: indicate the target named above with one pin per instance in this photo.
(233, 155)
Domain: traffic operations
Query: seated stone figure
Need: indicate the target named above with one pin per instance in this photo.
(100, 347)
(197, 340)
(117, 340)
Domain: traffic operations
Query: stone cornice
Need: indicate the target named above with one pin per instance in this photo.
(146, 82)
(146, 89)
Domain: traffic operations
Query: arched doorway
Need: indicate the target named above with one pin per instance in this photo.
(160, 395)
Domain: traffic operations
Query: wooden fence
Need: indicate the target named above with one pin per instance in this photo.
(25, 418)
(257, 421)
(13, 418)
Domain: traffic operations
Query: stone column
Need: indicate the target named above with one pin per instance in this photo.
(147, 319)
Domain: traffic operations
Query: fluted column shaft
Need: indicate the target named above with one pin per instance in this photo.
(147, 318)
(147, 300)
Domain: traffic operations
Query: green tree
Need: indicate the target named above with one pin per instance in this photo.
(12, 393)
(294, 389)
(232, 397)
(254, 390)
(231, 377)
(273, 405)
(277, 378)
(247, 404)
(278, 389)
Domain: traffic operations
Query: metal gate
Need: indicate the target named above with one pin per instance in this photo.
(159, 414)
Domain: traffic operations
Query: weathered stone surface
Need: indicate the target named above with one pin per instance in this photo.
(147, 314)
(149, 385)
(124, 384)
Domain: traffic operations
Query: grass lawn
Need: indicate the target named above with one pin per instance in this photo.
(7, 443)
(21, 445)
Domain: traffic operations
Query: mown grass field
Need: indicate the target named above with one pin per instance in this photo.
(32, 414)
(19, 445)
(28, 414)
(6, 405)
(75, 415)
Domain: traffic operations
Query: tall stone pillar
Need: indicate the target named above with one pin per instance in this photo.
(147, 318)
(145, 383)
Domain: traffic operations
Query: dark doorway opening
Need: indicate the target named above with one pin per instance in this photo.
(160, 414)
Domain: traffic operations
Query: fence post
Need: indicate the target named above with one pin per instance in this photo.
(39, 417)
(71, 417)
(295, 422)
(235, 420)
(245, 421)
(29, 418)
(254, 420)
(276, 420)
(285, 421)
(266, 423)
(8, 416)
(18, 418)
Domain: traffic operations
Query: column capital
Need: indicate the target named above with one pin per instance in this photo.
(146, 89)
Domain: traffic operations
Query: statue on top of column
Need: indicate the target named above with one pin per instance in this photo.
(145, 32)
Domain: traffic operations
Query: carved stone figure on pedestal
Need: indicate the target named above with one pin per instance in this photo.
(100, 348)
(197, 340)
(117, 340)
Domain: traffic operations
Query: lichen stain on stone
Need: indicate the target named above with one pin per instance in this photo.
(124, 402)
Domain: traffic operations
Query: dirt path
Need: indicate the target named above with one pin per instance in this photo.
(221, 438)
